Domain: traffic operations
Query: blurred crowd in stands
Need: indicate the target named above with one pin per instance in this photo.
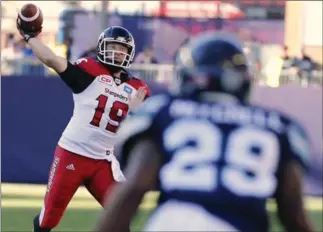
(302, 66)
(17, 58)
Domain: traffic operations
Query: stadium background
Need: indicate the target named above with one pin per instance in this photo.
(36, 105)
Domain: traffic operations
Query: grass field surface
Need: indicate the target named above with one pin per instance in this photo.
(20, 203)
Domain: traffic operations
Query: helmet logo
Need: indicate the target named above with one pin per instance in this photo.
(186, 57)
(121, 39)
(238, 60)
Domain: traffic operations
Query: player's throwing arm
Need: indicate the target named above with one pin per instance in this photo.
(29, 25)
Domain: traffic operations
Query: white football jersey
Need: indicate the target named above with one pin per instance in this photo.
(98, 112)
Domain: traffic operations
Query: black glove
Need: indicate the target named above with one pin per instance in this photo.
(25, 31)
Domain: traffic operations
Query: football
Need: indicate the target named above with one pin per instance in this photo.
(30, 17)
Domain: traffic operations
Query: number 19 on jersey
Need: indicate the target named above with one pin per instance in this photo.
(117, 113)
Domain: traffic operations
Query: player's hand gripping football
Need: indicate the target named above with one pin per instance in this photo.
(137, 100)
(29, 21)
(26, 32)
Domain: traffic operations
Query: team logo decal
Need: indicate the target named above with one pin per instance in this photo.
(127, 89)
(105, 79)
(117, 81)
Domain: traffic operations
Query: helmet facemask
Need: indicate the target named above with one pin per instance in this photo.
(115, 52)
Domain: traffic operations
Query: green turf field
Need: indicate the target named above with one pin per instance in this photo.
(21, 202)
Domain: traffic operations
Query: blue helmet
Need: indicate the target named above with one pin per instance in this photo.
(213, 62)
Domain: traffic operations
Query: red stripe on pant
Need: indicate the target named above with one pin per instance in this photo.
(67, 173)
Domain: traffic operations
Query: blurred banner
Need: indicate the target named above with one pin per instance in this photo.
(35, 112)
(166, 34)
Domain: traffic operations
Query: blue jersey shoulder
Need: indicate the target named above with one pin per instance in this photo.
(153, 105)
(298, 142)
(142, 120)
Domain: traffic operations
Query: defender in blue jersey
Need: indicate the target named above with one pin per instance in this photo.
(214, 157)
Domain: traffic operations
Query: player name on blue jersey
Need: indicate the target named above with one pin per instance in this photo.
(229, 113)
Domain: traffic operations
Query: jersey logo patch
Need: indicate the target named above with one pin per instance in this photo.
(127, 89)
(105, 79)
(117, 81)
(81, 60)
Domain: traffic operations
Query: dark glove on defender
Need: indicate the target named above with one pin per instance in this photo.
(25, 31)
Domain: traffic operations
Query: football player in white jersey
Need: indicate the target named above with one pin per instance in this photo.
(104, 93)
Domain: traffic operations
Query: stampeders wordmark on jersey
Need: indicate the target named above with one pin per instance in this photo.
(98, 112)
